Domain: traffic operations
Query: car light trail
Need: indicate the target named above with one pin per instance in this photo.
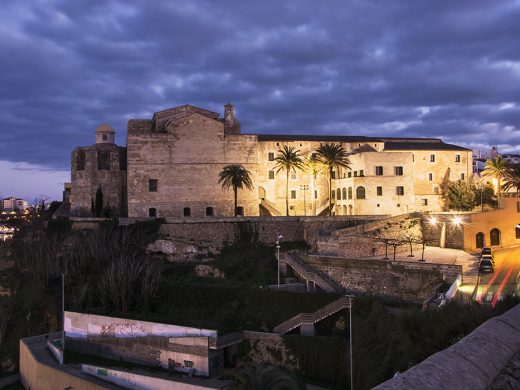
(501, 287)
(497, 272)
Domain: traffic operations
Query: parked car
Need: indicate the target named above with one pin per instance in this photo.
(488, 257)
(486, 265)
(487, 250)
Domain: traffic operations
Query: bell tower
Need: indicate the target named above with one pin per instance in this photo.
(105, 134)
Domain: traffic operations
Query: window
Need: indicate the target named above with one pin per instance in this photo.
(240, 211)
(517, 232)
(271, 156)
(293, 175)
(349, 174)
(104, 137)
(344, 193)
(379, 191)
(398, 171)
(360, 192)
(187, 212)
(518, 207)
(430, 176)
(271, 175)
(333, 194)
(315, 194)
(314, 156)
(80, 160)
(350, 192)
(293, 194)
(432, 157)
(424, 202)
(355, 173)
(338, 194)
(399, 190)
(209, 212)
(461, 176)
(277, 144)
(457, 158)
(361, 173)
(104, 161)
(379, 171)
(435, 190)
(152, 212)
(333, 174)
(152, 185)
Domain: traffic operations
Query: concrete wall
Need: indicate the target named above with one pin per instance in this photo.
(172, 347)
(472, 363)
(409, 281)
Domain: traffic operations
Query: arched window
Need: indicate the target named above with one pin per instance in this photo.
(350, 192)
(240, 210)
(344, 193)
(517, 232)
(152, 212)
(209, 211)
(338, 194)
(360, 192)
(494, 236)
(480, 240)
(187, 212)
(333, 194)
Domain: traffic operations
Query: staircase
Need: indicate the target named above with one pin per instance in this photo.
(270, 207)
(312, 318)
(310, 274)
(323, 207)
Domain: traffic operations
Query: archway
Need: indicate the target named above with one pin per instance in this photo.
(494, 236)
(350, 209)
(480, 240)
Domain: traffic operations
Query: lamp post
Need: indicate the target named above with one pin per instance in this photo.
(278, 238)
(350, 299)
(63, 317)
(304, 187)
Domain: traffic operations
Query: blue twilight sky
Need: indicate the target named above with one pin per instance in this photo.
(440, 68)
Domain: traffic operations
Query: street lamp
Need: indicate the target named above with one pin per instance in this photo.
(304, 187)
(350, 299)
(278, 238)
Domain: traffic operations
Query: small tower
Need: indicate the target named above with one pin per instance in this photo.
(105, 134)
(231, 125)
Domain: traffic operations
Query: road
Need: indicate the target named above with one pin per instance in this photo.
(493, 287)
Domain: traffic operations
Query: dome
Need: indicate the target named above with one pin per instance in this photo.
(104, 128)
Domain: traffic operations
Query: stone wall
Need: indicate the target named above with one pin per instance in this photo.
(444, 233)
(409, 281)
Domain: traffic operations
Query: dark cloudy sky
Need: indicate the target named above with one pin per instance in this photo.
(447, 69)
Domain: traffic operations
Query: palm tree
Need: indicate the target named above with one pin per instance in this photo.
(497, 168)
(253, 377)
(288, 159)
(235, 176)
(333, 156)
(314, 166)
(512, 178)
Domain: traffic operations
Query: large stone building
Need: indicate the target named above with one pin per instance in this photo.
(171, 163)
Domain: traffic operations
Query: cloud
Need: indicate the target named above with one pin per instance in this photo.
(408, 68)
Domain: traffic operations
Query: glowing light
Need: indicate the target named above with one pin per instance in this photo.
(457, 221)
(433, 221)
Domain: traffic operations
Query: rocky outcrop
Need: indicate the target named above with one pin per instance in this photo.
(208, 271)
(509, 379)
(177, 251)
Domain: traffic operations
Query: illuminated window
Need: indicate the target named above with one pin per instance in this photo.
(350, 192)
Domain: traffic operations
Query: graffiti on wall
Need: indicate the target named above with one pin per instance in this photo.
(122, 330)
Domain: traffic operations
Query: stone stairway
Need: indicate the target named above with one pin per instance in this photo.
(307, 272)
(307, 320)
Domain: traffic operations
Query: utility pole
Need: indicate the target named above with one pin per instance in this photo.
(63, 317)
(304, 187)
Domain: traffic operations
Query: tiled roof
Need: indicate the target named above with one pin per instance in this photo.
(317, 138)
(418, 145)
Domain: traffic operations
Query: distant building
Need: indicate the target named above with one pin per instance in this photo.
(11, 203)
(171, 163)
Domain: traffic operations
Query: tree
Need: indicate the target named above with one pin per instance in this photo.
(99, 202)
(497, 168)
(235, 176)
(288, 159)
(512, 178)
(333, 156)
(461, 196)
(314, 166)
